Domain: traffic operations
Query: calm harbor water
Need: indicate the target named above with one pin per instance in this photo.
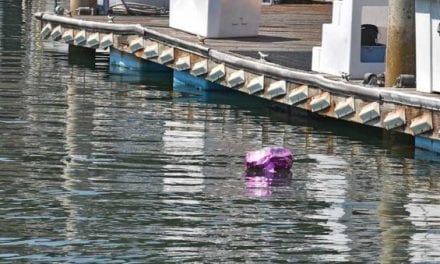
(103, 168)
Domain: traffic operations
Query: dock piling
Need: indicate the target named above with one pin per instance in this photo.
(76, 4)
(401, 49)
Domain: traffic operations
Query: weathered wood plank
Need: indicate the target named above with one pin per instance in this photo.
(287, 33)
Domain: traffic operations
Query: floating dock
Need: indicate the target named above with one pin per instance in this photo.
(287, 34)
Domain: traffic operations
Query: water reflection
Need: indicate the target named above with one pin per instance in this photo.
(259, 183)
(79, 126)
(184, 145)
(1, 19)
(157, 79)
(425, 155)
(327, 183)
(184, 180)
(424, 214)
(99, 168)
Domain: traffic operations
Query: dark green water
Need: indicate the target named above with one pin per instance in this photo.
(100, 168)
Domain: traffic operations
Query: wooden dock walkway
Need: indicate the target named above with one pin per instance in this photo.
(287, 33)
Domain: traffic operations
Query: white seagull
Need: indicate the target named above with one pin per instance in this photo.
(263, 56)
(110, 19)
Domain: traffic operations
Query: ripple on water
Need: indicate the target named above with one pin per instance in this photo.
(14, 122)
(99, 168)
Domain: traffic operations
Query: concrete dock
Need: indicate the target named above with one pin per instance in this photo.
(287, 34)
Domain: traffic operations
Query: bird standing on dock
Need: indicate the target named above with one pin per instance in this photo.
(263, 56)
(111, 19)
(201, 39)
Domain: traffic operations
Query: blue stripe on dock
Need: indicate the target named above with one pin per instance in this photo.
(129, 62)
(428, 144)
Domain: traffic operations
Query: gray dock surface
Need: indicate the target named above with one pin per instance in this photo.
(287, 33)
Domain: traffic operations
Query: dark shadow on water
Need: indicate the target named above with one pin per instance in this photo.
(226, 96)
(158, 80)
(397, 143)
(10, 25)
(82, 62)
(81, 56)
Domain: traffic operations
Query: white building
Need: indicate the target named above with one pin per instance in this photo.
(216, 18)
(428, 45)
(342, 50)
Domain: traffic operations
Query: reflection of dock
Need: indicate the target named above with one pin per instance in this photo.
(288, 33)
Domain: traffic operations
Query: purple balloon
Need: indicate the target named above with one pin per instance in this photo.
(269, 159)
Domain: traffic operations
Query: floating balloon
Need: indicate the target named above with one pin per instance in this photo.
(269, 159)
